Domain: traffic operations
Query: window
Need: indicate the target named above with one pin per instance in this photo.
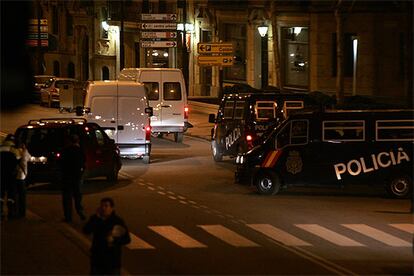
(152, 90)
(289, 106)
(100, 138)
(55, 20)
(265, 110)
(172, 91)
(236, 33)
(343, 131)
(239, 110)
(228, 110)
(56, 68)
(71, 70)
(294, 133)
(69, 24)
(397, 130)
(105, 73)
(348, 54)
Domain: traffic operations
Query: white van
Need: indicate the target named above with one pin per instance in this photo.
(122, 110)
(167, 96)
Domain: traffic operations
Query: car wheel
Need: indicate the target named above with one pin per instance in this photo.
(178, 137)
(400, 186)
(267, 183)
(217, 155)
(146, 159)
(112, 176)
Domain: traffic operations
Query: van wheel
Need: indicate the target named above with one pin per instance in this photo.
(217, 156)
(113, 175)
(400, 186)
(146, 159)
(178, 137)
(267, 183)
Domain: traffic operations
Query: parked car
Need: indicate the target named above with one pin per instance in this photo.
(333, 149)
(39, 82)
(122, 110)
(50, 94)
(167, 96)
(46, 138)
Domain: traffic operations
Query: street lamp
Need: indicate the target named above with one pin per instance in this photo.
(262, 28)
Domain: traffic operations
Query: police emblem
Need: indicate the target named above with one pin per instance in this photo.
(294, 162)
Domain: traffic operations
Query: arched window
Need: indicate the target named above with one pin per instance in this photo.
(105, 73)
(56, 68)
(71, 70)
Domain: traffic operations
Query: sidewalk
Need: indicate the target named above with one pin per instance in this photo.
(202, 128)
(32, 246)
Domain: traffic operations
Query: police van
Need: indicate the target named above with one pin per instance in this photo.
(242, 119)
(333, 148)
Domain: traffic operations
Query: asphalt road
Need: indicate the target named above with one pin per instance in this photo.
(187, 216)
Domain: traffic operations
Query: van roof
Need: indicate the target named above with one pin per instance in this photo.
(114, 82)
(358, 113)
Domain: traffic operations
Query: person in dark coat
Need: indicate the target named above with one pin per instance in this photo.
(109, 235)
(73, 165)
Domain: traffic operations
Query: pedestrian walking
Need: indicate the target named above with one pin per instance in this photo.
(73, 165)
(109, 235)
(22, 172)
(8, 163)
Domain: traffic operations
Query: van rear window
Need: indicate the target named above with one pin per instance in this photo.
(343, 131)
(239, 110)
(394, 130)
(265, 110)
(152, 90)
(228, 110)
(172, 91)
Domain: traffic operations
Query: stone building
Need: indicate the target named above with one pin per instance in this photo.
(298, 51)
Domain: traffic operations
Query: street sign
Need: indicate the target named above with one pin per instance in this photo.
(159, 34)
(215, 48)
(215, 60)
(159, 16)
(159, 26)
(158, 44)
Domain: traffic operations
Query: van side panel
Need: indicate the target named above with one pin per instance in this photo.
(104, 111)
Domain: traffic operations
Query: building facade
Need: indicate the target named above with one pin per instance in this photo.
(94, 40)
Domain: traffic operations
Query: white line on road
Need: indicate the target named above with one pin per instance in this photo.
(407, 227)
(378, 235)
(150, 188)
(328, 235)
(137, 243)
(278, 235)
(161, 193)
(176, 236)
(228, 236)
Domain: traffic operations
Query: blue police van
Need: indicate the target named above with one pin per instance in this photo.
(334, 148)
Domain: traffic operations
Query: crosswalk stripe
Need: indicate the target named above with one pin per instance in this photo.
(176, 236)
(278, 235)
(378, 235)
(137, 243)
(228, 236)
(407, 227)
(329, 235)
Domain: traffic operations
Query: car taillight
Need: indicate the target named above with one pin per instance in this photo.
(249, 138)
(186, 111)
(148, 133)
(53, 90)
(249, 141)
(57, 155)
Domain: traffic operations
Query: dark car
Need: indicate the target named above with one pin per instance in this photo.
(243, 117)
(39, 82)
(334, 148)
(46, 138)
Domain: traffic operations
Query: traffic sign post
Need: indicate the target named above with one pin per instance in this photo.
(159, 26)
(215, 60)
(215, 48)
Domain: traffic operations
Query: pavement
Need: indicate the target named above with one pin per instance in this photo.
(57, 248)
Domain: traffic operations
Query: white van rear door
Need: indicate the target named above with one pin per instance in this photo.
(151, 80)
(104, 112)
(174, 98)
(131, 116)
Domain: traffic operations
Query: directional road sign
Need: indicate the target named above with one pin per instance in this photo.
(159, 26)
(159, 16)
(215, 60)
(159, 34)
(158, 44)
(215, 48)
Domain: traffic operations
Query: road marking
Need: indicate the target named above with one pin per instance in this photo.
(192, 202)
(161, 193)
(328, 235)
(176, 236)
(183, 202)
(150, 188)
(125, 174)
(181, 197)
(172, 197)
(378, 235)
(278, 235)
(228, 236)
(137, 243)
(407, 227)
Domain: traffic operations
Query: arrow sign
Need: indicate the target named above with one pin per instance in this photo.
(215, 48)
(159, 16)
(159, 26)
(158, 44)
(158, 34)
(215, 60)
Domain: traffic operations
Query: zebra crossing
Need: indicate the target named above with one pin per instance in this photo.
(232, 238)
